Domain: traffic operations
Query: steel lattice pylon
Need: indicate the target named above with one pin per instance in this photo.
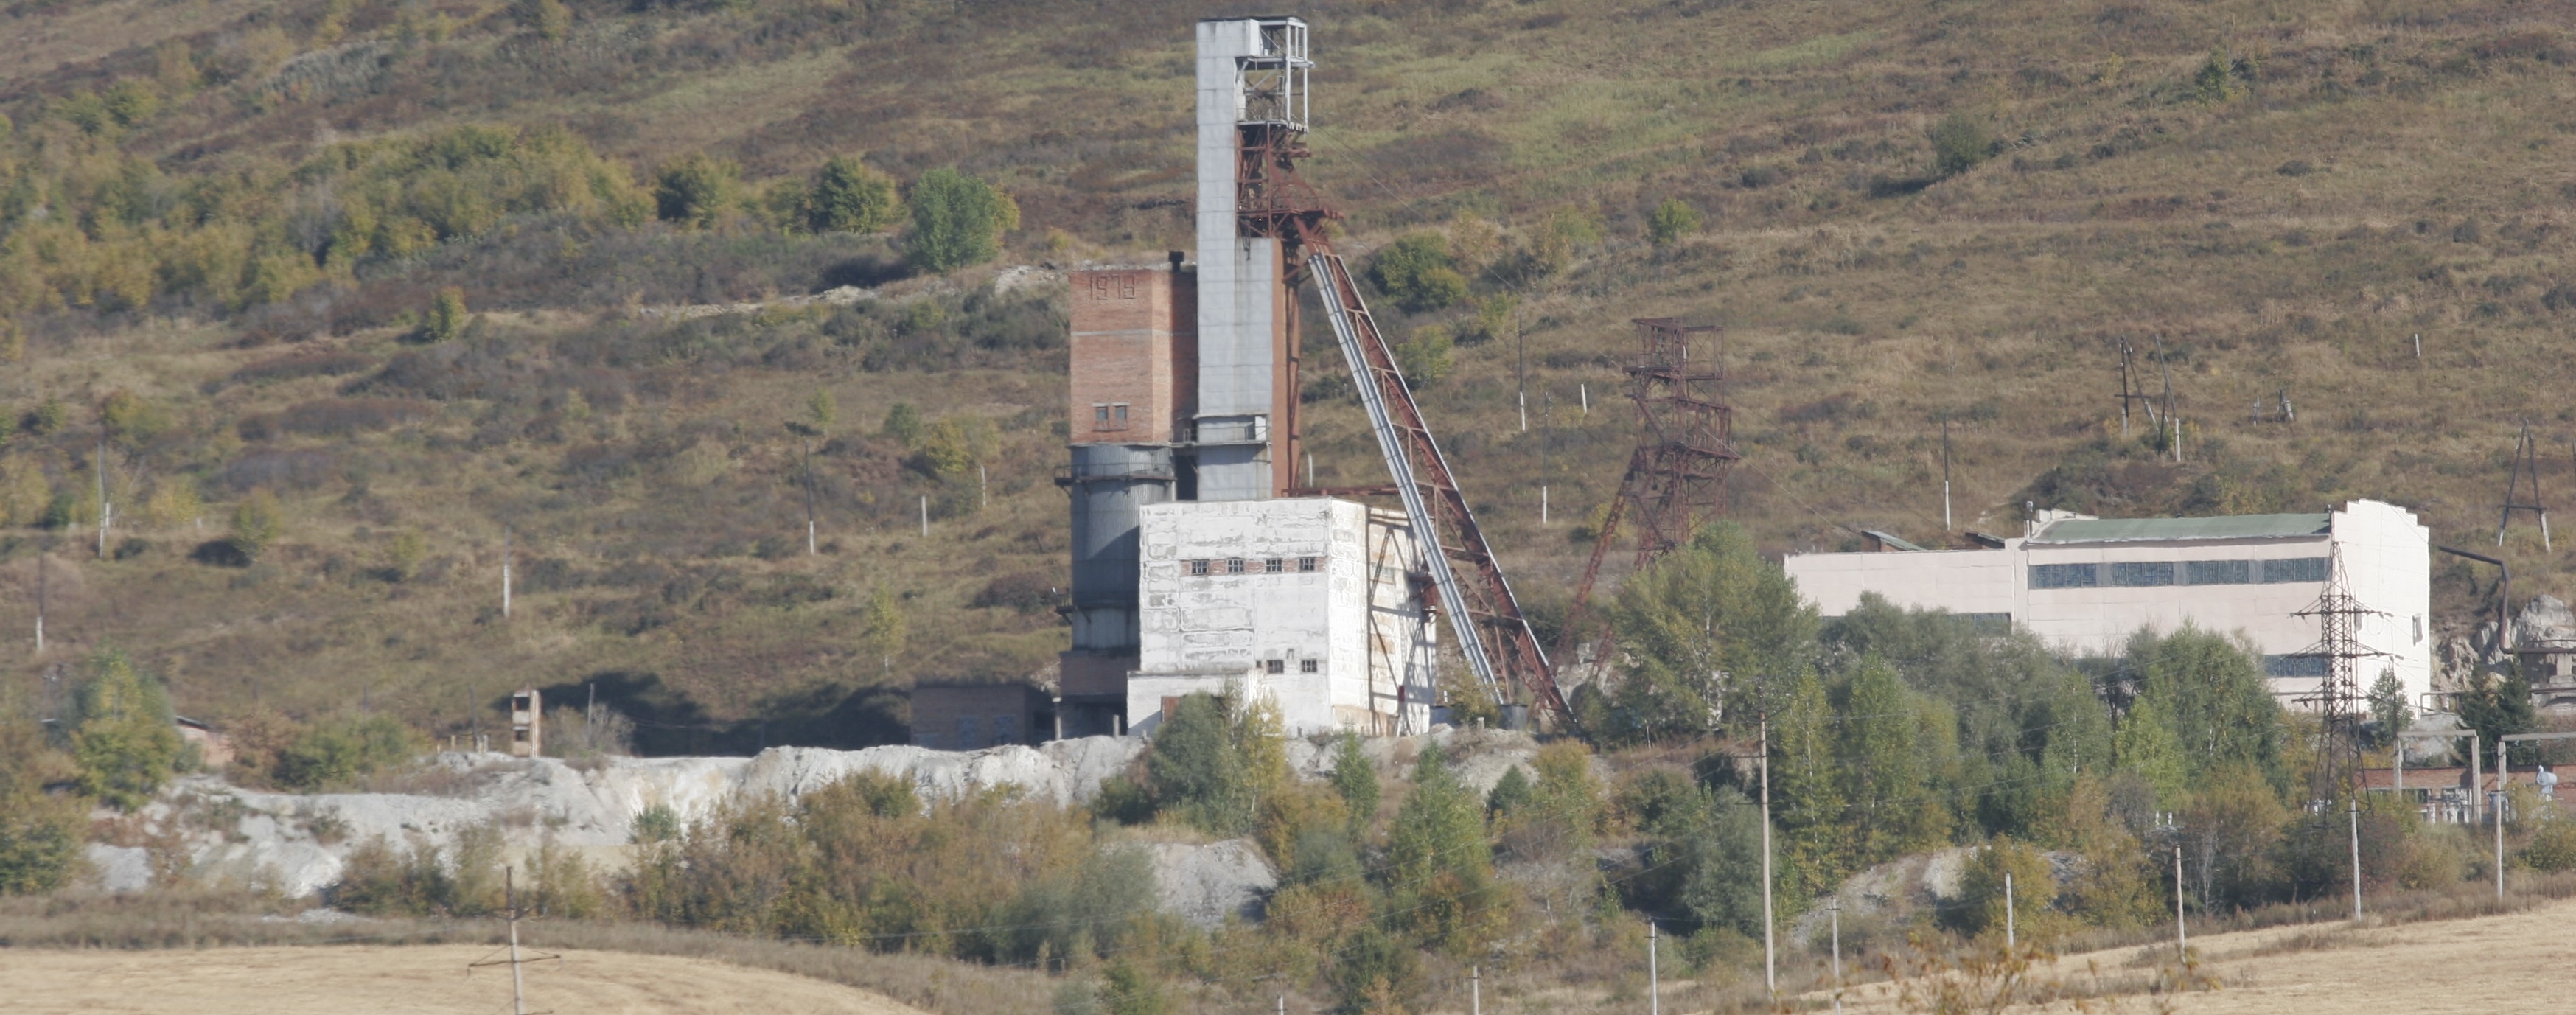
(2338, 699)
(1676, 477)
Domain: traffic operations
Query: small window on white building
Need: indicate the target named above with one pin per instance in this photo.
(2419, 629)
(2297, 569)
(2218, 572)
(1274, 566)
(1234, 565)
(1276, 665)
(2142, 573)
(1309, 666)
(2065, 576)
(1198, 567)
(1305, 564)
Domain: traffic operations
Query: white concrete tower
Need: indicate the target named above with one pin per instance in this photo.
(1251, 71)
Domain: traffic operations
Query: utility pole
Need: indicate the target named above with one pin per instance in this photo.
(1475, 990)
(518, 980)
(983, 488)
(2166, 368)
(1946, 527)
(809, 496)
(1770, 954)
(925, 516)
(505, 572)
(40, 598)
(2010, 939)
(2182, 937)
(2353, 808)
(104, 511)
(2504, 777)
(1834, 912)
(1654, 981)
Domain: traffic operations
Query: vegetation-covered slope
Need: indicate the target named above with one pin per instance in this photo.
(240, 216)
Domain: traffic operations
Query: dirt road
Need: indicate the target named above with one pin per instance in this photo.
(424, 979)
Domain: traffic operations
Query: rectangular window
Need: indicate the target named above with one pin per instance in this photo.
(1309, 666)
(966, 733)
(2294, 666)
(2297, 569)
(1198, 567)
(1118, 412)
(2419, 629)
(2142, 573)
(1099, 413)
(1006, 730)
(1276, 665)
(2065, 576)
(1988, 623)
(1234, 565)
(1305, 564)
(2218, 572)
(1274, 566)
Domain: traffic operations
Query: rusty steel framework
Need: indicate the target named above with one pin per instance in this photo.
(1271, 200)
(1676, 477)
(2338, 698)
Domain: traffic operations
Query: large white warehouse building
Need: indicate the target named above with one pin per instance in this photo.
(2086, 584)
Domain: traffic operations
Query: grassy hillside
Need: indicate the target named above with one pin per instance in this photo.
(239, 213)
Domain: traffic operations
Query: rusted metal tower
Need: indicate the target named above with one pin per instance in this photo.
(1676, 477)
(2338, 698)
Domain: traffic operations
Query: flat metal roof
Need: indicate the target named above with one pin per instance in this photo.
(2141, 530)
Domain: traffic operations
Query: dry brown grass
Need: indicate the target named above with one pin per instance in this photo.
(2434, 201)
(212, 934)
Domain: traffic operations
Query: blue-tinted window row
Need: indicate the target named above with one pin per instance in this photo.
(2296, 665)
(2148, 573)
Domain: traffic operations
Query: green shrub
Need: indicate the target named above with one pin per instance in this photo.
(1959, 142)
(696, 191)
(1426, 356)
(124, 739)
(1980, 908)
(40, 833)
(848, 196)
(1671, 221)
(1418, 273)
(257, 522)
(447, 316)
(338, 752)
(1195, 769)
(957, 220)
(2552, 847)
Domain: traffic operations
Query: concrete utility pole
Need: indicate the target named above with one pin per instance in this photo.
(2010, 940)
(2182, 937)
(505, 572)
(1654, 982)
(1770, 954)
(2355, 809)
(2504, 777)
(40, 599)
(1475, 990)
(104, 512)
(925, 516)
(1834, 912)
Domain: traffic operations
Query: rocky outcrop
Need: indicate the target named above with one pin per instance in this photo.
(1206, 885)
(297, 843)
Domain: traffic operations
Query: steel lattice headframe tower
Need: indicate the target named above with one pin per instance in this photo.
(1676, 477)
(2338, 699)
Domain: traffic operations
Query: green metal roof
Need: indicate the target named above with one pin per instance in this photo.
(2131, 530)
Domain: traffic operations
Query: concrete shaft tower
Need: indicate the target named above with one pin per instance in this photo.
(1184, 380)
(1252, 76)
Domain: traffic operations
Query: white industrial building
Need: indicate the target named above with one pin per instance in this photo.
(1310, 602)
(2086, 584)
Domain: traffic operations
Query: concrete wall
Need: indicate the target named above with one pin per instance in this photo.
(1340, 646)
(2385, 554)
(972, 717)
